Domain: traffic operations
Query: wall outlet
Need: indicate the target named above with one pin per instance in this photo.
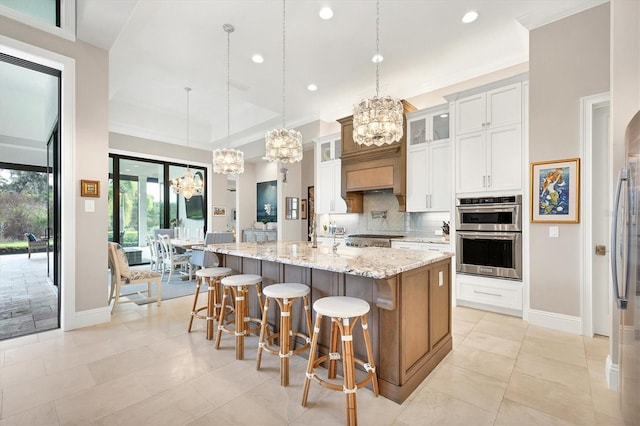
(438, 232)
(554, 232)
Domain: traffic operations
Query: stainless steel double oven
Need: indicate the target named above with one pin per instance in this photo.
(489, 236)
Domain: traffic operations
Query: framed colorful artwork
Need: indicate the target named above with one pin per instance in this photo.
(555, 191)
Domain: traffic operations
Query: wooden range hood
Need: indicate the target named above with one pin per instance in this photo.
(373, 168)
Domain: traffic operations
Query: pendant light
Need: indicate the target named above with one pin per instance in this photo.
(189, 184)
(281, 144)
(228, 160)
(378, 121)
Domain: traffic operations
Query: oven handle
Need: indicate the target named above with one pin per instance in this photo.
(489, 235)
(492, 207)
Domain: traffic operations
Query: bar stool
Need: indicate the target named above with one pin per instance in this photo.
(236, 288)
(285, 295)
(212, 276)
(341, 309)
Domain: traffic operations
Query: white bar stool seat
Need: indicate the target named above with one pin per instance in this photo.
(285, 295)
(236, 290)
(341, 310)
(212, 276)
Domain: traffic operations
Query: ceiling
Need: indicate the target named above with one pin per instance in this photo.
(157, 47)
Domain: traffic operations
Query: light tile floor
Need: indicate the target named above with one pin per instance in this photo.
(144, 369)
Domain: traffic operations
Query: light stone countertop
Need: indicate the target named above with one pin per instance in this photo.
(371, 262)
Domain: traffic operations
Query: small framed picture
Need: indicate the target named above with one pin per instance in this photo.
(555, 191)
(219, 211)
(303, 208)
(89, 188)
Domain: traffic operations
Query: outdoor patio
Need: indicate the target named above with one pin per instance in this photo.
(28, 303)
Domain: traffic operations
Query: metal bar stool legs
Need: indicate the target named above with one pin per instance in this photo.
(342, 310)
(285, 295)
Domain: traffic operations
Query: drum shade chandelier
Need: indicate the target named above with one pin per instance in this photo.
(228, 160)
(378, 121)
(189, 184)
(282, 144)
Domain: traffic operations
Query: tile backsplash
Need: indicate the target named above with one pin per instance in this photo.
(409, 224)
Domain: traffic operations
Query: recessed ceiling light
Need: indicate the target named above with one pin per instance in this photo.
(258, 59)
(470, 16)
(312, 87)
(377, 57)
(326, 13)
(445, 115)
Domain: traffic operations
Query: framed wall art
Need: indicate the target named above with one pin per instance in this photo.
(89, 188)
(555, 191)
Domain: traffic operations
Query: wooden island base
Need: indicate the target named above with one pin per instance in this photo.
(409, 321)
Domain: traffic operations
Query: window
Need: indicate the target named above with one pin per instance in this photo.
(47, 11)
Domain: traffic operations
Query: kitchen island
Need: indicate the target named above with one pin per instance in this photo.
(409, 292)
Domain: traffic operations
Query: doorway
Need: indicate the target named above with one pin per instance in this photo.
(597, 205)
(29, 198)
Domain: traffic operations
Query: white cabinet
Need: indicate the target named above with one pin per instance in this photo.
(328, 182)
(497, 295)
(414, 245)
(489, 141)
(428, 161)
(495, 108)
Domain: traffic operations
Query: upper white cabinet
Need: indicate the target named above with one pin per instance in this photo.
(428, 160)
(495, 108)
(328, 182)
(489, 140)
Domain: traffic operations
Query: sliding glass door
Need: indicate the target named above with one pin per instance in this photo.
(141, 200)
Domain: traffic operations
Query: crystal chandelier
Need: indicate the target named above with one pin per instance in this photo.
(189, 184)
(228, 160)
(282, 144)
(378, 121)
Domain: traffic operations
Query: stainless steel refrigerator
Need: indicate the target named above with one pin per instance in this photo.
(625, 273)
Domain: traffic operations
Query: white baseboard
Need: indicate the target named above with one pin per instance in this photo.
(612, 373)
(560, 322)
(88, 318)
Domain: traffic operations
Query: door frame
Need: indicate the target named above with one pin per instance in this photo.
(587, 105)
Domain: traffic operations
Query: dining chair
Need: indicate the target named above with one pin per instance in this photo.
(171, 259)
(154, 250)
(121, 276)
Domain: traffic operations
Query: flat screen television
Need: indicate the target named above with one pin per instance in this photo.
(194, 207)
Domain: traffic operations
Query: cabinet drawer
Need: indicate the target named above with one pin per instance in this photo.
(498, 295)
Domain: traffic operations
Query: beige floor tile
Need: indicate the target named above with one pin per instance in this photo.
(121, 365)
(34, 351)
(16, 373)
(596, 347)
(462, 327)
(504, 331)
(468, 386)
(571, 376)
(603, 419)
(555, 336)
(33, 393)
(552, 349)
(513, 414)
(43, 415)
(431, 407)
(606, 402)
(493, 344)
(467, 314)
(551, 398)
(493, 365)
(457, 339)
(91, 404)
(177, 406)
(505, 319)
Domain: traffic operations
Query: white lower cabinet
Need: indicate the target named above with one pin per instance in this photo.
(491, 294)
(414, 245)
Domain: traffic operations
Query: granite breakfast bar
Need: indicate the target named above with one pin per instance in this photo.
(409, 292)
